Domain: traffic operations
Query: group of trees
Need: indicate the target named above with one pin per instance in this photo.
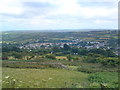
(81, 51)
(10, 49)
(62, 51)
(106, 61)
(92, 55)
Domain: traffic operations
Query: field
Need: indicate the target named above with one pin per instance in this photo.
(56, 78)
(47, 73)
(43, 78)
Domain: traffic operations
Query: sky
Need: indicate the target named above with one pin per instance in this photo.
(58, 14)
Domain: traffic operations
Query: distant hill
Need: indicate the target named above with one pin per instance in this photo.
(34, 36)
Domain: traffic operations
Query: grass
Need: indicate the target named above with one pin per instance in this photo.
(108, 79)
(77, 75)
(43, 78)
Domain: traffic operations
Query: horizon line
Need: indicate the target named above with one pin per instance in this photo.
(55, 29)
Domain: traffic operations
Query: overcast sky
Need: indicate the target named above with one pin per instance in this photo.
(58, 14)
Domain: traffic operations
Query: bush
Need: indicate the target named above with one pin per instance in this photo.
(90, 59)
(51, 56)
(104, 79)
(59, 54)
(85, 69)
(110, 61)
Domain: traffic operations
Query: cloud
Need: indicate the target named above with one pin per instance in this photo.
(10, 7)
(37, 4)
(56, 14)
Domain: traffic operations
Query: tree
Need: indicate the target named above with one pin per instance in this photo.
(16, 49)
(112, 61)
(55, 49)
(66, 47)
(69, 57)
(74, 50)
(82, 52)
(110, 53)
(9, 49)
(98, 51)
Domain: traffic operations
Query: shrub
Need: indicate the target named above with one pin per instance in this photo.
(84, 69)
(51, 56)
(90, 59)
(110, 61)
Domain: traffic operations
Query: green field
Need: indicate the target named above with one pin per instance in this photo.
(56, 78)
(43, 78)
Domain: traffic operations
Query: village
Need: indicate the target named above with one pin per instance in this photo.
(73, 43)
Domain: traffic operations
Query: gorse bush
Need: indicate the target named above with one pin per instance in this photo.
(108, 61)
(51, 56)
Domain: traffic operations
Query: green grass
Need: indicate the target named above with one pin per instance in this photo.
(108, 79)
(43, 78)
(78, 75)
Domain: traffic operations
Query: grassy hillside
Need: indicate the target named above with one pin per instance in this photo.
(57, 78)
(43, 78)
